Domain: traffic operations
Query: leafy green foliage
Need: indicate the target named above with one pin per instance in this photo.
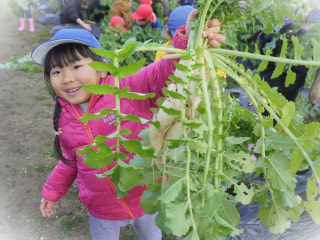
(24, 63)
(196, 183)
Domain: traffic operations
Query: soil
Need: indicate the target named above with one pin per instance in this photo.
(26, 140)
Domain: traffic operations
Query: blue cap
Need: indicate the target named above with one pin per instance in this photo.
(178, 17)
(63, 36)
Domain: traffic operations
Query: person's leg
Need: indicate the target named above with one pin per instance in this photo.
(105, 229)
(30, 19)
(146, 227)
(50, 18)
(22, 21)
(28, 11)
(31, 25)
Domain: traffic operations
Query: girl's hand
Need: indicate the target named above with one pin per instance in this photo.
(46, 208)
(87, 26)
(212, 32)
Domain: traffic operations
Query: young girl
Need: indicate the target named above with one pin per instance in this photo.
(65, 58)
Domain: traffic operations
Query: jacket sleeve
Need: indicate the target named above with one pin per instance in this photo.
(70, 13)
(157, 24)
(59, 181)
(152, 78)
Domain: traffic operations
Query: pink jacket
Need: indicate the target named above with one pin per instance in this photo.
(99, 195)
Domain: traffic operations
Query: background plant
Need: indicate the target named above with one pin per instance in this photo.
(211, 156)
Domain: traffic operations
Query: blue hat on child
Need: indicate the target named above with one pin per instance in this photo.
(81, 36)
(178, 17)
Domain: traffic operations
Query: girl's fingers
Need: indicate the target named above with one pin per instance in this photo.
(46, 208)
(214, 39)
(214, 43)
(212, 33)
(214, 23)
(49, 209)
(211, 30)
(43, 208)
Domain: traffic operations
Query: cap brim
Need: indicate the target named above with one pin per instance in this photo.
(136, 16)
(164, 32)
(40, 52)
(153, 18)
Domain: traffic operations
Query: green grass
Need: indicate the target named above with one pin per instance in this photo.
(69, 223)
(41, 168)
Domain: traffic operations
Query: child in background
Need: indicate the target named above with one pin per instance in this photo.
(76, 11)
(165, 5)
(65, 58)
(145, 16)
(177, 18)
(123, 8)
(187, 2)
(25, 9)
(117, 20)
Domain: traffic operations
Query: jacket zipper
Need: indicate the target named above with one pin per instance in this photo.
(105, 169)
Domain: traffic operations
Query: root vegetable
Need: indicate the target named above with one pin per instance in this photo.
(169, 127)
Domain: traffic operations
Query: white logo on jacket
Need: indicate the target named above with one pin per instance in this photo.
(110, 118)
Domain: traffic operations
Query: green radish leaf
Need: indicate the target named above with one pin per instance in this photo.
(135, 146)
(171, 191)
(131, 69)
(130, 117)
(98, 160)
(278, 71)
(274, 217)
(103, 52)
(177, 221)
(124, 93)
(101, 89)
(87, 116)
(290, 78)
(181, 67)
(229, 213)
(239, 161)
(127, 51)
(176, 79)
(213, 204)
(280, 141)
(236, 140)
(288, 113)
(313, 199)
(149, 199)
(279, 173)
(298, 49)
(173, 94)
(102, 66)
(170, 111)
(316, 50)
(124, 176)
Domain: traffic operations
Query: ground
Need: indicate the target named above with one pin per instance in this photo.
(26, 139)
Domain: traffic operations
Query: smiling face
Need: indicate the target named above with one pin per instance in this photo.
(67, 81)
(67, 72)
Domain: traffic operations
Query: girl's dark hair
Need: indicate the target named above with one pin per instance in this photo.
(56, 144)
(60, 56)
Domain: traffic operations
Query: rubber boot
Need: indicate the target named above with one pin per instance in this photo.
(22, 24)
(31, 25)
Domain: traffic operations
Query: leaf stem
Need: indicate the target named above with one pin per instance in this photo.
(264, 57)
(118, 109)
(218, 108)
(165, 49)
